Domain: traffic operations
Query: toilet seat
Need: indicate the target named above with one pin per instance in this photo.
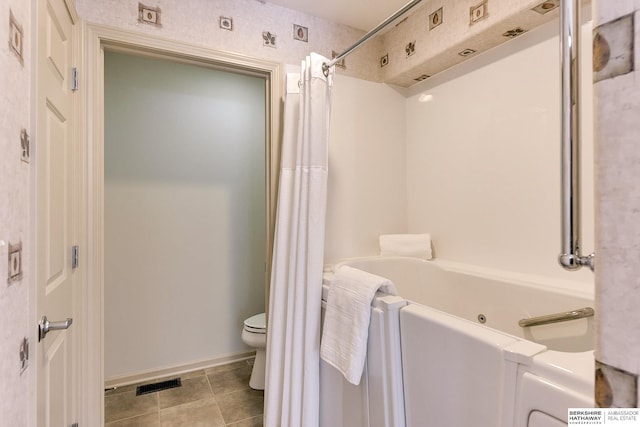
(256, 324)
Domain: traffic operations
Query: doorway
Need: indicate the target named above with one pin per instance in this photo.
(100, 42)
(184, 213)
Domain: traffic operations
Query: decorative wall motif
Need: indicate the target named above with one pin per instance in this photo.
(514, 33)
(615, 388)
(300, 33)
(613, 48)
(384, 60)
(547, 6)
(340, 64)
(15, 37)
(410, 48)
(435, 19)
(479, 12)
(226, 23)
(268, 39)
(149, 15)
(469, 29)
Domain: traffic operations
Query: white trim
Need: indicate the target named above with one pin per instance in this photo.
(142, 376)
(96, 37)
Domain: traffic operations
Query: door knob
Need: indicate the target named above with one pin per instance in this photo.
(45, 326)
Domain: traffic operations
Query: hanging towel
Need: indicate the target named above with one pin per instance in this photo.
(410, 245)
(346, 322)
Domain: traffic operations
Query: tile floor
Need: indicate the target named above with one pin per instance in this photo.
(214, 397)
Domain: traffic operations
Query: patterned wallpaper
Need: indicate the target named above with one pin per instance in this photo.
(15, 117)
(616, 76)
(441, 34)
(437, 35)
(250, 27)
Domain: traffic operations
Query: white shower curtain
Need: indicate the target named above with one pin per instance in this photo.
(293, 334)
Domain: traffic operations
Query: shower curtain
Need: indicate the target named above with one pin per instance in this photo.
(293, 335)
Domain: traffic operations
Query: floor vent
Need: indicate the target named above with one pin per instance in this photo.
(162, 385)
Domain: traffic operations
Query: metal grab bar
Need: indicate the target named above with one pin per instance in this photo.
(570, 257)
(557, 317)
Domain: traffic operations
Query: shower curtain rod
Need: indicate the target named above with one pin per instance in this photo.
(327, 65)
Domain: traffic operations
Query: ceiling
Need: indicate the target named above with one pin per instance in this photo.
(360, 14)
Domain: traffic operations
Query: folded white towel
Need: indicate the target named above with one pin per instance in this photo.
(410, 245)
(346, 321)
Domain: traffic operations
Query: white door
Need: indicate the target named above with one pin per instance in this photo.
(56, 361)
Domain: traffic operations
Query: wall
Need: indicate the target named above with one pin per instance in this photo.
(197, 22)
(616, 69)
(483, 166)
(15, 114)
(184, 212)
(441, 34)
(366, 188)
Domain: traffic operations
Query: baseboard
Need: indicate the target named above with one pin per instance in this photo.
(142, 376)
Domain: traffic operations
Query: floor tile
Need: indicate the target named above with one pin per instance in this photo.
(183, 376)
(191, 390)
(149, 420)
(251, 422)
(228, 381)
(202, 413)
(127, 405)
(227, 367)
(120, 389)
(240, 405)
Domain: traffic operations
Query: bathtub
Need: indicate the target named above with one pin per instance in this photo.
(448, 351)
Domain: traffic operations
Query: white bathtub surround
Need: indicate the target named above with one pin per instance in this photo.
(616, 69)
(346, 322)
(483, 174)
(292, 390)
(411, 245)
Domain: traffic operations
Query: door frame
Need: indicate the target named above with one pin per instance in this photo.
(96, 39)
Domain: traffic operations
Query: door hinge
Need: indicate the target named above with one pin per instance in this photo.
(74, 79)
(74, 256)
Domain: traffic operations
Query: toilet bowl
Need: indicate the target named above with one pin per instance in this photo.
(254, 334)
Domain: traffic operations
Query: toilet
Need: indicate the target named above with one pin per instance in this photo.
(254, 334)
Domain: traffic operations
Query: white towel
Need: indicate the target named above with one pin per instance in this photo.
(346, 321)
(410, 245)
